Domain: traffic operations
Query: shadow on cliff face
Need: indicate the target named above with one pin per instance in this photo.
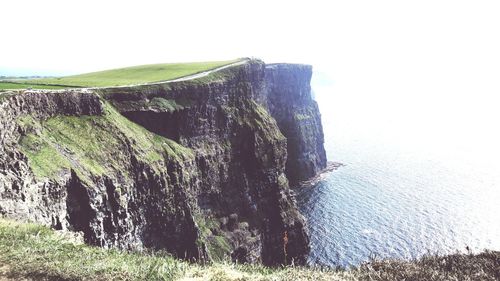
(167, 124)
(152, 216)
(80, 213)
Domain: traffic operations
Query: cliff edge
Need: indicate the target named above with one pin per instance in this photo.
(199, 168)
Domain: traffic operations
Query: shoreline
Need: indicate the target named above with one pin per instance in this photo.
(330, 167)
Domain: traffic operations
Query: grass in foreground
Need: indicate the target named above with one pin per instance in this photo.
(22, 85)
(132, 75)
(32, 252)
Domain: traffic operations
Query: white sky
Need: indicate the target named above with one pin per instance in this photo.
(81, 36)
(429, 68)
(367, 37)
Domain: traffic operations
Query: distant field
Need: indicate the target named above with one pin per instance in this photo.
(132, 75)
(14, 86)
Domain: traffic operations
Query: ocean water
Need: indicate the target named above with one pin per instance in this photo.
(410, 186)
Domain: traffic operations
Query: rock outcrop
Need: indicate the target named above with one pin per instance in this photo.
(297, 114)
(198, 168)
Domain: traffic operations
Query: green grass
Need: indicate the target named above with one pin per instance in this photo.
(92, 145)
(22, 85)
(45, 160)
(33, 251)
(159, 103)
(38, 253)
(133, 75)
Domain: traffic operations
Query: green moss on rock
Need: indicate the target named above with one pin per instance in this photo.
(259, 120)
(45, 160)
(211, 235)
(92, 145)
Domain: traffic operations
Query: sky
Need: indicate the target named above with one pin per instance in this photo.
(63, 37)
(428, 70)
(366, 37)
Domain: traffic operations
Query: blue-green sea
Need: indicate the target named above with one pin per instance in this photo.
(410, 186)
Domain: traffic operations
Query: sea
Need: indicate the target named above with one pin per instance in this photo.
(419, 177)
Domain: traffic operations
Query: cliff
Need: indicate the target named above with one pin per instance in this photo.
(198, 168)
(290, 102)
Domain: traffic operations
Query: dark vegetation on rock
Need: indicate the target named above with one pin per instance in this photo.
(198, 168)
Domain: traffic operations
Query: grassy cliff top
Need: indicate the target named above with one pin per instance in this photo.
(15, 86)
(121, 76)
(33, 252)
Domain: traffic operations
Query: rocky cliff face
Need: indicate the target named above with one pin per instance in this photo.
(71, 161)
(297, 114)
(198, 168)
